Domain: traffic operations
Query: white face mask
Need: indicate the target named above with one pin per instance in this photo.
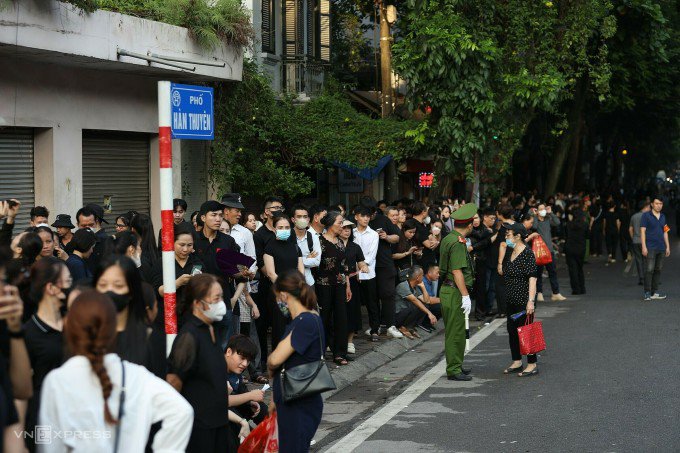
(542, 213)
(216, 311)
(137, 259)
(427, 220)
(436, 230)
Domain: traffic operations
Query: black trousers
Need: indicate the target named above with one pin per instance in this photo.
(333, 301)
(596, 236)
(500, 294)
(576, 277)
(409, 317)
(512, 333)
(369, 297)
(210, 440)
(386, 282)
(479, 289)
(612, 241)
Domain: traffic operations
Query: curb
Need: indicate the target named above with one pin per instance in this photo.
(380, 355)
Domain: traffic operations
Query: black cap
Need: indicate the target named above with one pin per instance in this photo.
(210, 206)
(63, 220)
(232, 200)
(98, 211)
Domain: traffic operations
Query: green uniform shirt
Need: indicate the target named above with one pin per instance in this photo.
(454, 256)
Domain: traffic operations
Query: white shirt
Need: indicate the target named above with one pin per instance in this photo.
(244, 238)
(368, 241)
(304, 247)
(72, 406)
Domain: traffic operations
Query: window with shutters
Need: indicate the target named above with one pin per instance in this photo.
(16, 170)
(268, 26)
(324, 30)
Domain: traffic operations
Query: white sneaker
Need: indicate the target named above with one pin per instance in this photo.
(394, 333)
(351, 349)
(368, 332)
(539, 297)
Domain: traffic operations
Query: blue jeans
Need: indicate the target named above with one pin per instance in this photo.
(552, 274)
(491, 277)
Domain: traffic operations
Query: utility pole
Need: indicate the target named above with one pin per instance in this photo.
(387, 98)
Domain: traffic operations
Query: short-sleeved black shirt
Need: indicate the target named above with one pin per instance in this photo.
(285, 254)
(333, 267)
(353, 255)
(207, 251)
(384, 255)
(516, 275)
(192, 261)
(261, 237)
(45, 348)
(201, 366)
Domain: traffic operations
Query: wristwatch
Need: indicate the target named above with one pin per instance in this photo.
(19, 334)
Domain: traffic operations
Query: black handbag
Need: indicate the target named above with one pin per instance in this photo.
(308, 379)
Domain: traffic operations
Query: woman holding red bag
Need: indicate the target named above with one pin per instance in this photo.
(520, 282)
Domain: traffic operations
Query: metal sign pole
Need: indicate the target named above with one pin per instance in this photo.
(167, 240)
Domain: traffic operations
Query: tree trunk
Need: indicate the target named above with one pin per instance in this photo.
(573, 135)
(576, 143)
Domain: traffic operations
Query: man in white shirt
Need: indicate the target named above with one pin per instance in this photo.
(233, 209)
(368, 240)
(306, 240)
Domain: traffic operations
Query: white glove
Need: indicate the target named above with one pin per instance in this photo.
(467, 305)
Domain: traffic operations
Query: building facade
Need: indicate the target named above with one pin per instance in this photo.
(79, 114)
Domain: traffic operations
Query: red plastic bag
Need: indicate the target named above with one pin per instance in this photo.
(541, 251)
(263, 439)
(531, 340)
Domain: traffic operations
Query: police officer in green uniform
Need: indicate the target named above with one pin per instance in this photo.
(457, 276)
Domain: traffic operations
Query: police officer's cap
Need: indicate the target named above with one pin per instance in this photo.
(465, 214)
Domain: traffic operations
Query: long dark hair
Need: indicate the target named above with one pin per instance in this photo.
(404, 243)
(143, 226)
(291, 281)
(44, 271)
(91, 331)
(120, 242)
(31, 246)
(197, 289)
(131, 345)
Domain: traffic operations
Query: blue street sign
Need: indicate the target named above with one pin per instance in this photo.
(192, 112)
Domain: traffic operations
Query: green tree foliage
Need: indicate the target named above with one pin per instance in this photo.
(498, 75)
(265, 144)
(209, 22)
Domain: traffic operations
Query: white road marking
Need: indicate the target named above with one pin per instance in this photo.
(362, 432)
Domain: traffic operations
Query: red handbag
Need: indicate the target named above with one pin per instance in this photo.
(264, 438)
(531, 340)
(541, 251)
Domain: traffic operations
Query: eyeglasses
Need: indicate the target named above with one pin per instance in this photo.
(121, 226)
(276, 208)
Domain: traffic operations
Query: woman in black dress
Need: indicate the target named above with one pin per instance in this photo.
(405, 253)
(50, 283)
(519, 272)
(281, 254)
(612, 227)
(197, 366)
(355, 264)
(303, 342)
(333, 287)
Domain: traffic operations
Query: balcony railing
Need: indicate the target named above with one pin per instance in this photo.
(303, 75)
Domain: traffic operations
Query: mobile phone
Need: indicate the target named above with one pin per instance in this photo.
(196, 269)
(379, 230)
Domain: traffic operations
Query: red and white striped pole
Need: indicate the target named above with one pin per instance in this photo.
(167, 239)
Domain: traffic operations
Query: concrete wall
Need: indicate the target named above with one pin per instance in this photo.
(60, 102)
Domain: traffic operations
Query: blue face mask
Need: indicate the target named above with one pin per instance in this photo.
(282, 235)
(509, 243)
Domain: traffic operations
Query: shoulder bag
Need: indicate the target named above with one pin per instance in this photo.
(308, 379)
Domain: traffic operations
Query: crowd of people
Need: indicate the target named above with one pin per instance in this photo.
(81, 303)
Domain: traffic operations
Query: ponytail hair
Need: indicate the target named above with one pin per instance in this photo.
(119, 243)
(291, 281)
(90, 331)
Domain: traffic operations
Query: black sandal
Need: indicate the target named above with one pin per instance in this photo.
(340, 361)
(528, 373)
(512, 370)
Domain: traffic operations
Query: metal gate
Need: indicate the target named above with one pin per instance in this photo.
(116, 172)
(16, 171)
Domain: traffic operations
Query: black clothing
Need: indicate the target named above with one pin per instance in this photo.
(422, 235)
(46, 352)
(333, 268)
(516, 274)
(513, 336)
(481, 241)
(285, 254)
(6, 233)
(577, 233)
(354, 255)
(98, 252)
(157, 280)
(331, 292)
(210, 440)
(261, 237)
(146, 270)
(385, 280)
(79, 268)
(576, 277)
(207, 251)
(384, 255)
(403, 246)
(369, 297)
(200, 364)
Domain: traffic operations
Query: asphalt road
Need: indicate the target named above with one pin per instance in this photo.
(609, 381)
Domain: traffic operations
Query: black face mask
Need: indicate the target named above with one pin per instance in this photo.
(66, 292)
(119, 300)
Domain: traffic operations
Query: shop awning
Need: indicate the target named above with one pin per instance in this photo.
(369, 173)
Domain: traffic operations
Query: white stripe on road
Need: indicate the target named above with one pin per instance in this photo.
(387, 412)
